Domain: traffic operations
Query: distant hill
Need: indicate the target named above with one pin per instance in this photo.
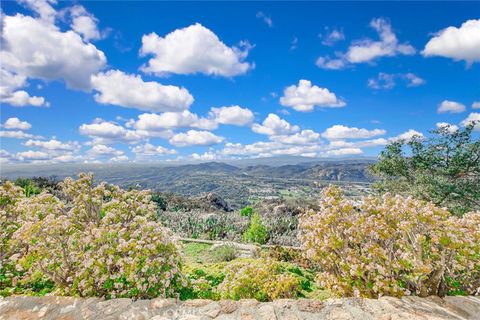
(239, 185)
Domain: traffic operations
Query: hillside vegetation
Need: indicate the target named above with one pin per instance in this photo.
(80, 238)
(99, 240)
(443, 169)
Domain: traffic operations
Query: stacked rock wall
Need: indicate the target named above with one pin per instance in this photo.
(386, 308)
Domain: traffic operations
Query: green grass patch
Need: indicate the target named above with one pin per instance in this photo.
(197, 252)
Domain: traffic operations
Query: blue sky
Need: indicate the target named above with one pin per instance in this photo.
(114, 81)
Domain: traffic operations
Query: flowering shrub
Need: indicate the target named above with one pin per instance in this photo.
(261, 279)
(98, 241)
(9, 223)
(391, 246)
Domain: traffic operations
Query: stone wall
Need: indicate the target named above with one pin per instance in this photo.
(408, 308)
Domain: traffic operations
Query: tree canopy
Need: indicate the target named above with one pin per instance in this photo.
(443, 169)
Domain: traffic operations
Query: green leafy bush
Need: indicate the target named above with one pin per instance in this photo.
(286, 254)
(160, 201)
(224, 253)
(256, 232)
(246, 212)
(391, 246)
(261, 279)
(98, 241)
(202, 281)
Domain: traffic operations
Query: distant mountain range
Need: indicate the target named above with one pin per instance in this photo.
(238, 184)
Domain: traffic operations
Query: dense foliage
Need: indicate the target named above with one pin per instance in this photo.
(256, 232)
(246, 211)
(203, 281)
(391, 246)
(96, 241)
(443, 169)
(262, 279)
(78, 238)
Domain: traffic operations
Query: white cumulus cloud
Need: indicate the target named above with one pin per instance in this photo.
(456, 43)
(195, 138)
(17, 134)
(10, 94)
(148, 149)
(53, 144)
(38, 50)
(104, 132)
(33, 155)
(43, 8)
(299, 138)
(16, 123)
(103, 150)
(130, 91)
(84, 23)
(305, 96)
(368, 50)
(173, 120)
(194, 49)
(338, 131)
(273, 125)
(451, 107)
(233, 115)
(22, 98)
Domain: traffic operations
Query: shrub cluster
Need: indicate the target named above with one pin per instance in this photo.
(225, 253)
(262, 279)
(96, 241)
(247, 278)
(246, 211)
(202, 281)
(391, 246)
(279, 217)
(199, 224)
